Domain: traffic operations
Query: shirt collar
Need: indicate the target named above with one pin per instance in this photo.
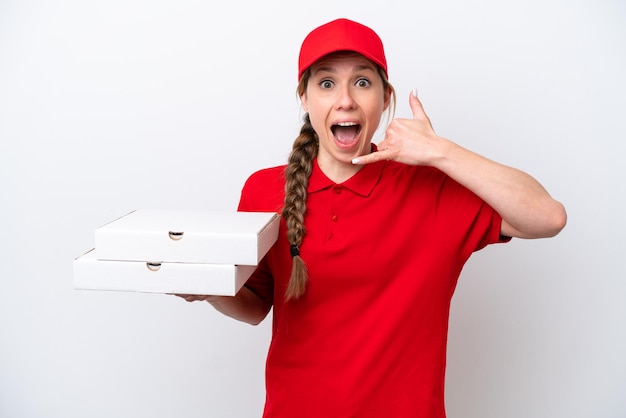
(362, 183)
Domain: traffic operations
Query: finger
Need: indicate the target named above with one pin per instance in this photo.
(370, 158)
(416, 106)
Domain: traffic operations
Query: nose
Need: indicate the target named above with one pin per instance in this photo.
(345, 99)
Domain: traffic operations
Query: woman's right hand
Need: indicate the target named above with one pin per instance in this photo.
(202, 298)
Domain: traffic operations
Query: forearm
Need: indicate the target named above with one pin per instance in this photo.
(245, 306)
(526, 208)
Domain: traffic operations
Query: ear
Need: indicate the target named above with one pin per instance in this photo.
(304, 101)
(387, 99)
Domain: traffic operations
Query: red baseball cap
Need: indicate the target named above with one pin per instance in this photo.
(341, 35)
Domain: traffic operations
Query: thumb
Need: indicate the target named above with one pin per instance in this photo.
(416, 106)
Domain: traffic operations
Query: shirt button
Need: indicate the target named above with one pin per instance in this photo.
(335, 218)
(338, 189)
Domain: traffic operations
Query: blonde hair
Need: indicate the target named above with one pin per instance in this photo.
(297, 173)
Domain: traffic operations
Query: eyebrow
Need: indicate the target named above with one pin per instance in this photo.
(330, 69)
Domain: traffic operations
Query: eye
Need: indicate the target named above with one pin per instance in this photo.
(326, 84)
(363, 82)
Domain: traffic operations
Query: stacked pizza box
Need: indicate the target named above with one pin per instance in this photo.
(181, 252)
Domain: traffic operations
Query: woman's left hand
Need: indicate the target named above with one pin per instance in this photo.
(408, 141)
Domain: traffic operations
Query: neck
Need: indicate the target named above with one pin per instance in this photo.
(337, 171)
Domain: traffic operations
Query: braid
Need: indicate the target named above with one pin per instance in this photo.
(297, 174)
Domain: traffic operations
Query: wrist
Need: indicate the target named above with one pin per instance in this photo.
(443, 153)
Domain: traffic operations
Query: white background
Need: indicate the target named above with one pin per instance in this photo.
(109, 106)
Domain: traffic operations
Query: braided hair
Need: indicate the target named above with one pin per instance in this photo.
(297, 175)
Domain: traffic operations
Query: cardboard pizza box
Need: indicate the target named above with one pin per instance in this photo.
(90, 273)
(215, 237)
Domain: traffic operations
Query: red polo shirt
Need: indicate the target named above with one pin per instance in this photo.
(384, 250)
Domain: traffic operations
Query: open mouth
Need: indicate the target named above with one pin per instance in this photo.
(346, 132)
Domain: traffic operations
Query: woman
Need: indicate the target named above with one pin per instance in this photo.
(372, 241)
